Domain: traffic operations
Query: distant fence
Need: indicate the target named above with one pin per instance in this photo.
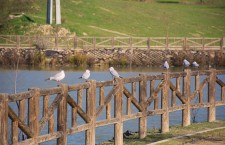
(164, 43)
(148, 94)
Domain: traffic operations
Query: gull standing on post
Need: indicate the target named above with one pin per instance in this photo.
(57, 77)
(114, 73)
(85, 75)
(166, 65)
(195, 64)
(186, 63)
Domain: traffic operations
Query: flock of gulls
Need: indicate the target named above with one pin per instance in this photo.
(61, 75)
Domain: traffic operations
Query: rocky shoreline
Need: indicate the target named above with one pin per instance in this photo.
(116, 56)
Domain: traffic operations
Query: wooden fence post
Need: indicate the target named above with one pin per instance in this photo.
(3, 119)
(34, 114)
(165, 104)
(17, 41)
(62, 116)
(186, 84)
(143, 100)
(56, 40)
(148, 43)
(118, 127)
(222, 44)
(75, 42)
(212, 96)
(91, 111)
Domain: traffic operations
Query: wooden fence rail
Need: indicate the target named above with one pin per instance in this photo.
(165, 43)
(148, 94)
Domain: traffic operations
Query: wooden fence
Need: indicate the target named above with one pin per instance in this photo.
(164, 43)
(172, 92)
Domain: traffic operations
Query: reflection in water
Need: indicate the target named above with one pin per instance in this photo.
(35, 77)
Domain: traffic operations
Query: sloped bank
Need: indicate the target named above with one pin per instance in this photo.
(116, 56)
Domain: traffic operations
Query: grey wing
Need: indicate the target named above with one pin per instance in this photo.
(115, 73)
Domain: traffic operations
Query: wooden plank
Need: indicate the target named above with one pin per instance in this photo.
(48, 137)
(15, 132)
(3, 119)
(80, 97)
(165, 104)
(221, 83)
(107, 99)
(133, 99)
(132, 116)
(33, 117)
(79, 128)
(118, 127)
(155, 93)
(212, 96)
(62, 116)
(108, 111)
(142, 100)
(106, 122)
(74, 117)
(80, 111)
(186, 117)
(50, 109)
(51, 124)
(178, 93)
(199, 90)
(21, 124)
(20, 96)
(91, 112)
(101, 95)
(22, 110)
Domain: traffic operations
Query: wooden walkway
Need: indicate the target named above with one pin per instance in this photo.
(148, 94)
(155, 43)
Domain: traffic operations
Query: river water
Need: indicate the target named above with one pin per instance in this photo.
(35, 78)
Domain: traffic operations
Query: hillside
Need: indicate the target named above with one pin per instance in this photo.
(179, 18)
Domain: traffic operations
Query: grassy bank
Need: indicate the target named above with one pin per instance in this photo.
(154, 18)
(178, 130)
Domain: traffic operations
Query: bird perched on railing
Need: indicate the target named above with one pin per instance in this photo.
(166, 65)
(186, 63)
(57, 77)
(195, 64)
(114, 73)
(85, 75)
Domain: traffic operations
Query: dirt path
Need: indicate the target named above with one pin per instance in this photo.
(205, 142)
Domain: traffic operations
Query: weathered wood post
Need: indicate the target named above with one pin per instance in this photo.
(165, 103)
(3, 119)
(91, 111)
(148, 43)
(222, 43)
(212, 96)
(17, 41)
(62, 116)
(186, 84)
(75, 42)
(118, 127)
(34, 114)
(143, 100)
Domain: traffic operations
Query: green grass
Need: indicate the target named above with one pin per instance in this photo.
(178, 18)
(176, 130)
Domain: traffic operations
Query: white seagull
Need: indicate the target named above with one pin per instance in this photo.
(57, 77)
(166, 65)
(186, 63)
(195, 64)
(114, 73)
(85, 75)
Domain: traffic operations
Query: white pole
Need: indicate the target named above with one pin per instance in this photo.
(58, 12)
